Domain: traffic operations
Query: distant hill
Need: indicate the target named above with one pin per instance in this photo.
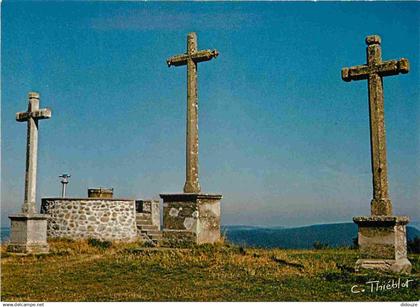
(334, 235)
(5, 233)
(415, 224)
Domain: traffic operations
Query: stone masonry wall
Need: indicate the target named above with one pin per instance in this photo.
(104, 219)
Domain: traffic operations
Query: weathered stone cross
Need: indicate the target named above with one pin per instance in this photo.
(373, 71)
(191, 58)
(32, 116)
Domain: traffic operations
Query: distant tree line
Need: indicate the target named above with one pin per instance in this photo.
(413, 246)
(320, 245)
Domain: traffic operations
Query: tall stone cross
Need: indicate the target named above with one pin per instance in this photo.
(373, 71)
(191, 58)
(32, 116)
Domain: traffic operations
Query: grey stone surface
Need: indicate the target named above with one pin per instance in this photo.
(374, 71)
(29, 233)
(383, 243)
(154, 206)
(191, 217)
(104, 219)
(31, 116)
(191, 58)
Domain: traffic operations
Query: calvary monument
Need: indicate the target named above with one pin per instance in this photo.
(192, 216)
(382, 236)
(29, 229)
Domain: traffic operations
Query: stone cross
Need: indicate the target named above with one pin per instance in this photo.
(191, 58)
(32, 116)
(373, 71)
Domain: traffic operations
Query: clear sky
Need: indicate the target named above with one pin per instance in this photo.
(282, 137)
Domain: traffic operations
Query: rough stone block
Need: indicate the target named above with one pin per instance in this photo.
(383, 243)
(28, 234)
(192, 217)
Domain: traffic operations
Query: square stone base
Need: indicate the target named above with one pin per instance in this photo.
(383, 243)
(191, 217)
(396, 266)
(28, 234)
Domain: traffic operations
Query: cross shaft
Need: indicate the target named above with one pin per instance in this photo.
(373, 71)
(31, 117)
(191, 58)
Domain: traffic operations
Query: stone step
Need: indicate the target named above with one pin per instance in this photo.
(148, 227)
(154, 233)
(143, 215)
(143, 222)
(156, 239)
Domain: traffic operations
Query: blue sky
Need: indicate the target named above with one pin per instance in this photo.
(282, 137)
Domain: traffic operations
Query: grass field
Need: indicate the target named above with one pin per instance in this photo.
(78, 271)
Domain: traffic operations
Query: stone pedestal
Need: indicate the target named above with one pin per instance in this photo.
(28, 234)
(383, 243)
(191, 217)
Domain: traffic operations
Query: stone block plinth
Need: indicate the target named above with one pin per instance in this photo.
(191, 217)
(383, 243)
(28, 234)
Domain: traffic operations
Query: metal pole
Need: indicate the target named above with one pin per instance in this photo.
(64, 183)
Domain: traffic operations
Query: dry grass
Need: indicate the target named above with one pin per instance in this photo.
(78, 271)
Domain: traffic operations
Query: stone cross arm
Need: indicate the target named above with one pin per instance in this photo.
(199, 56)
(37, 114)
(386, 68)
